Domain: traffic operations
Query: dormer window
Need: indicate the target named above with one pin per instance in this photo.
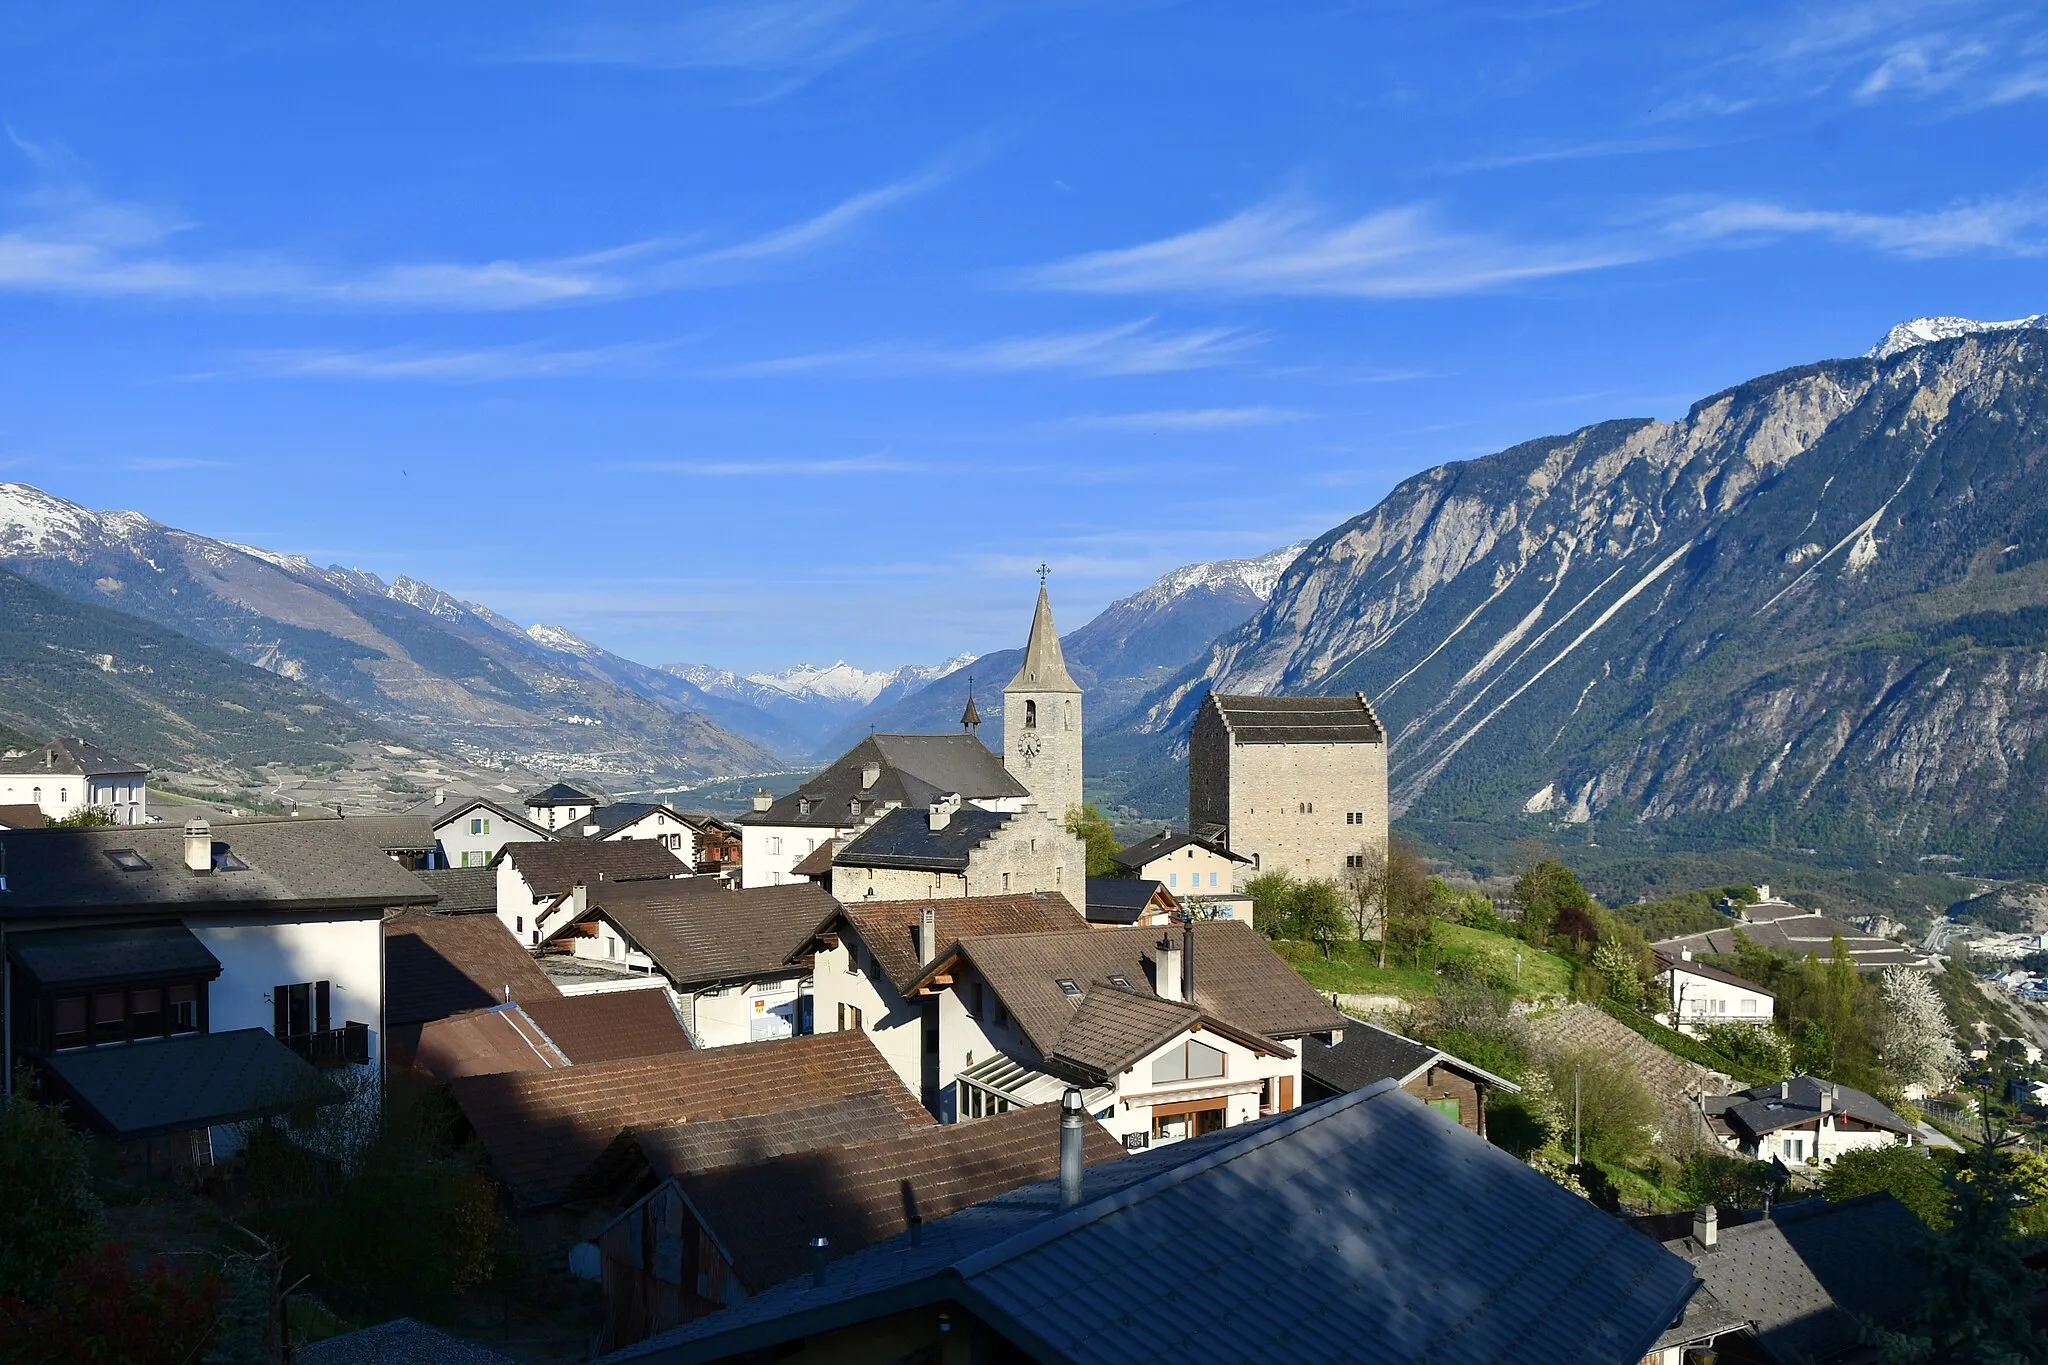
(853, 808)
(803, 805)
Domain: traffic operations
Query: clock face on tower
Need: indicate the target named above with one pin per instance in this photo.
(1027, 747)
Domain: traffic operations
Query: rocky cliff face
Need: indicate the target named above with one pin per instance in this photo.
(1811, 613)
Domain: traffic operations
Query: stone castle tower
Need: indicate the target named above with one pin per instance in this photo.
(1042, 720)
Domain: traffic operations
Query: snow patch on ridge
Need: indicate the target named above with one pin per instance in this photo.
(1920, 331)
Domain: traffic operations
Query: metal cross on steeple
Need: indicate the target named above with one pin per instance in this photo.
(1043, 570)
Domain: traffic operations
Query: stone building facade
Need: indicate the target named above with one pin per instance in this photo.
(968, 852)
(1296, 784)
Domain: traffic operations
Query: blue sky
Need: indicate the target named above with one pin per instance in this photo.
(803, 329)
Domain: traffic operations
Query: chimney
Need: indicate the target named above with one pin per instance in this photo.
(944, 809)
(198, 846)
(870, 774)
(1685, 954)
(1827, 1098)
(440, 796)
(1166, 968)
(928, 936)
(1706, 1227)
(1784, 1090)
(819, 1247)
(579, 900)
(1071, 1134)
(763, 799)
(1187, 962)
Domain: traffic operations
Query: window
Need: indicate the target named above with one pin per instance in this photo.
(1354, 817)
(39, 796)
(852, 960)
(1212, 879)
(225, 861)
(1173, 879)
(519, 924)
(128, 860)
(975, 1002)
(1448, 1108)
(1120, 981)
(1031, 715)
(300, 1009)
(1006, 881)
(183, 1004)
(1354, 860)
(1191, 1061)
(775, 845)
(849, 1018)
(1068, 987)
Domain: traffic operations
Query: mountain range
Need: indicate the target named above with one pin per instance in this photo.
(811, 704)
(1811, 615)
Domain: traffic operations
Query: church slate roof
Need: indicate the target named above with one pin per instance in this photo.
(71, 756)
(905, 839)
(916, 770)
(1447, 1249)
(563, 794)
(890, 928)
(1300, 720)
(1045, 663)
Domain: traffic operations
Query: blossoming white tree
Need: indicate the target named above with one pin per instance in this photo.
(1915, 1041)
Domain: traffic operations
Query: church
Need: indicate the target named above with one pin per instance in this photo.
(921, 817)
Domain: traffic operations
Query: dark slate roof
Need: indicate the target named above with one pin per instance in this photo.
(1119, 900)
(890, 928)
(1369, 1053)
(396, 833)
(438, 965)
(703, 929)
(763, 1214)
(292, 864)
(73, 756)
(609, 820)
(1425, 1242)
(1764, 1109)
(22, 817)
(551, 868)
(1239, 980)
(402, 1341)
(1807, 1273)
(916, 770)
(905, 839)
(463, 890)
(544, 1129)
(563, 794)
(1300, 720)
(75, 958)
(1694, 967)
(192, 1081)
(440, 813)
(680, 1148)
(1168, 841)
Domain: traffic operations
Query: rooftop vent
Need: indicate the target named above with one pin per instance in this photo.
(198, 846)
(1706, 1227)
(763, 799)
(870, 774)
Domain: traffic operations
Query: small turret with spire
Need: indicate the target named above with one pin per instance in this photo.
(970, 719)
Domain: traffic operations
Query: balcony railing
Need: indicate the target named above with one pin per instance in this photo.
(348, 1045)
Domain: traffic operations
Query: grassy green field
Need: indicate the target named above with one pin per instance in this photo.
(1353, 967)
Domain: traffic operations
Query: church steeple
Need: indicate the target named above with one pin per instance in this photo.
(970, 719)
(1042, 718)
(1045, 663)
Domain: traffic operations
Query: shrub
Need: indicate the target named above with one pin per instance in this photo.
(1731, 1182)
(1616, 1113)
(1759, 1048)
(98, 1312)
(49, 1215)
(1906, 1174)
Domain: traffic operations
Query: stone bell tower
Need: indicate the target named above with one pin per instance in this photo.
(1042, 719)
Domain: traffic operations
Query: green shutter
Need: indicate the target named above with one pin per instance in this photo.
(1448, 1108)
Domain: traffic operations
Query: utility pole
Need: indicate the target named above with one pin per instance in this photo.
(1575, 1117)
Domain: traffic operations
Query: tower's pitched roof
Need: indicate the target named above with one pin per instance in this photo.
(1045, 665)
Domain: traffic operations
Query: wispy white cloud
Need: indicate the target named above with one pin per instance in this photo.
(164, 464)
(480, 365)
(1189, 419)
(96, 248)
(1410, 252)
(1128, 348)
(1404, 252)
(1577, 151)
(2002, 226)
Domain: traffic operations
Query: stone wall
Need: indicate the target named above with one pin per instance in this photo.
(1292, 805)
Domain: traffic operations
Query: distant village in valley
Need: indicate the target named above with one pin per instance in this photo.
(894, 1065)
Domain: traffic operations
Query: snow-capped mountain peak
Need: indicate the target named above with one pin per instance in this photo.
(1919, 331)
(33, 522)
(840, 681)
(561, 641)
(1258, 576)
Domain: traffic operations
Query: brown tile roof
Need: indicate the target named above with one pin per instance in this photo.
(1240, 982)
(610, 1026)
(636, 1157)
(484, 1042)
(438, 965)
(889, 928)
(703, 929)
(816, 863)
(1114, 1028)
(543, 1129)
(764, 1215)
(554, 866)
(22, 817)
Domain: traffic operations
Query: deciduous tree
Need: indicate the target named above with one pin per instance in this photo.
(1092, 826)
